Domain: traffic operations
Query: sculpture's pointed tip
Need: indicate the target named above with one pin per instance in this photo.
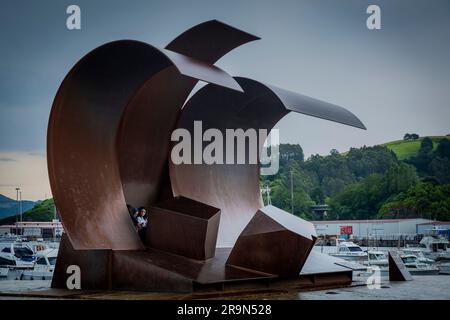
(210, 40)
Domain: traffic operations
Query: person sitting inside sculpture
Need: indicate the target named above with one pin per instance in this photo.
(133, 214)
(142, 222)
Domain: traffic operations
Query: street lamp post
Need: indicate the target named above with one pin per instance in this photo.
(20, 205)
(18, 209)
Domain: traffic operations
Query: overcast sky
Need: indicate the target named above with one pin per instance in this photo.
(396, 79)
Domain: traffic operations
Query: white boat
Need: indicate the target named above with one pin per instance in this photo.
(43, 267)
(349, 251)
(376, 258)
(9, 237)
(435, 248)
(444, 266)
(40, 245)
(418, 252)
(4, 272)
(417, 268)
(16, 255)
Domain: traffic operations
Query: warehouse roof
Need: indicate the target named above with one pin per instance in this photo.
(364, 221)
(435, 222)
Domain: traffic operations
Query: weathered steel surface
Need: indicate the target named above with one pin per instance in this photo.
(144, 136)
(109, 144)
(275, 242)
(210, 40)
(312, 107)
(200, 70)
(117, 270)
(81, 152)
(150, 116)
(82, 145)
(194, 224)
(155, 270)
(397, 269)
(135, 270)
(234, 188)
(95, 266)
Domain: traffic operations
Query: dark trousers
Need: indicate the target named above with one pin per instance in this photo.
(142, 234)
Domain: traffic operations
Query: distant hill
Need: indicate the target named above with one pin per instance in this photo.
(8, 206)
(405, 149)
(43, 211)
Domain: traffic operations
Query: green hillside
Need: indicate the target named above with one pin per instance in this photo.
(43, 211)
(405, 149)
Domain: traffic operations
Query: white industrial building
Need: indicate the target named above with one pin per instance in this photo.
(425, 228)
(37, 229)
(384, 228)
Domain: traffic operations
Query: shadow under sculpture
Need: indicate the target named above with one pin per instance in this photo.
(108, 144)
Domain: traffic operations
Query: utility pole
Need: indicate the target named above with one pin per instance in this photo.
(292, 193)
(266, 190)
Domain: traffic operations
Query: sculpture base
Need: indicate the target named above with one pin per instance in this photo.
(158, 271)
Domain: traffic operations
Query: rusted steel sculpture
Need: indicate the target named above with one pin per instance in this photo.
(397, 269)
(184, 227)
(272, 236)
(109, 144)
(259, 107)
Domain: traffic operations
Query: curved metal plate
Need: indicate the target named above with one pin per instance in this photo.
(150, 117)
(316, 108)
(234, 188)
(209, 41)
(201, 71)
(81, 143)
(86, 113)
(144, 137)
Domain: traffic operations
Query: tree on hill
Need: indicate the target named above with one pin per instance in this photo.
(424, 156)
(399, 178)
(422, 200)
(364, 199)
(359, 183)
(431, 163)
(410, 136)
(443, 149)
(290, 152)
(440, 169)
(426, 146)
(368, 160)
(440, 165)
